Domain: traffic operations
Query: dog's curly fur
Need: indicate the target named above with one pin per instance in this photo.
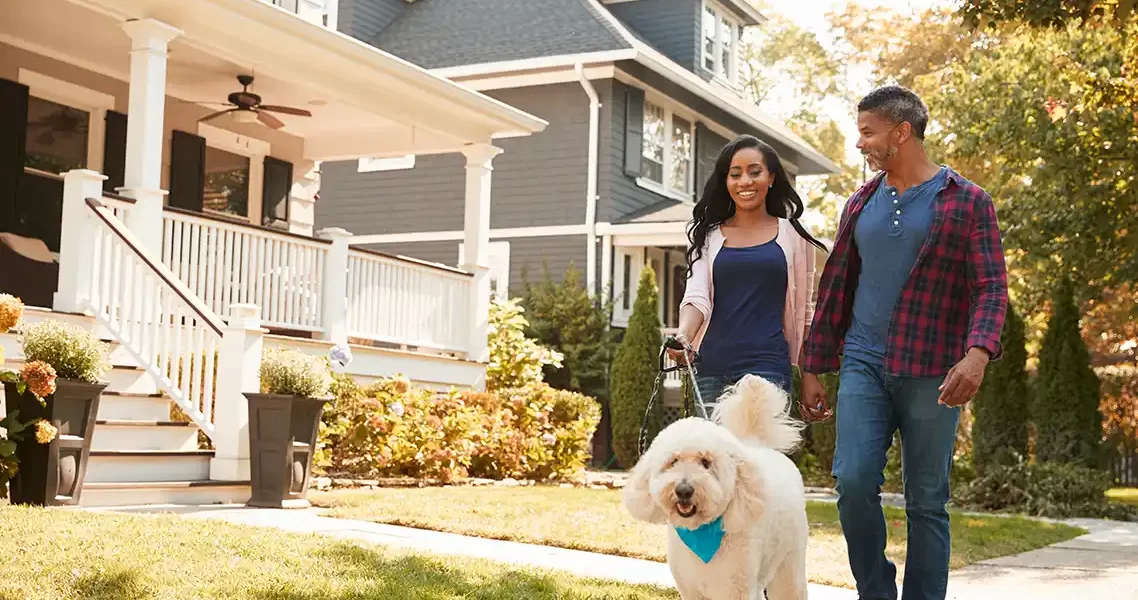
(739, 471)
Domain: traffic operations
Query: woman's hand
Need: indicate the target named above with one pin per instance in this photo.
(680, 356)
(813, 405)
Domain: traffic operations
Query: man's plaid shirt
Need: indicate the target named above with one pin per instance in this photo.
(954, 299)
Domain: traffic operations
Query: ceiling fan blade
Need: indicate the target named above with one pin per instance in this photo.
(288, 110)
(269, 120)
(216, 114)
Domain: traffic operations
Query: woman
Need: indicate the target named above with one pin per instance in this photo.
(750, 274)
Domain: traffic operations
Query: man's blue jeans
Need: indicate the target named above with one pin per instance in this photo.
(871, 407)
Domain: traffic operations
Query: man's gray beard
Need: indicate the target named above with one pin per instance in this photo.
(875, 163)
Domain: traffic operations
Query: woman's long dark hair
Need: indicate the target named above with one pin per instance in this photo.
(716, 206)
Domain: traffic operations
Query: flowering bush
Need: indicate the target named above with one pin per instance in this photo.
(295, 373)
(515, 360)
(390, 429)
(38, 378)
(74, 352)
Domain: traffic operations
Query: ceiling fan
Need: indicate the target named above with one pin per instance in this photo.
(248, 105)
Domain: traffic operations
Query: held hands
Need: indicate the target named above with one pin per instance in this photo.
(963, 380)
(813, 405)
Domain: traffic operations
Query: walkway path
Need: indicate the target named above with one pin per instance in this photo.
(1102, 565)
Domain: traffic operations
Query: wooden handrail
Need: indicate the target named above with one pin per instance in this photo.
(240, 223)
(207, 316)
(44, 174)
(119, 197)
(413, 261)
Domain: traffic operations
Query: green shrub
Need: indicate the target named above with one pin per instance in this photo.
(1053, 490)
(564, 317)
(1066, 407)
(634, 372)
(286, 371)
(1002, 407)
(389, 429)
(74, 352)
(515, 360)
(821, 437)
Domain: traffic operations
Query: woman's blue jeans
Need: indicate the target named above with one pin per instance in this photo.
(711, 387)
(871, 407)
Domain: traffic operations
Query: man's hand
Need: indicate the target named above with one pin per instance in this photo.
(813, 406)
(964, 379)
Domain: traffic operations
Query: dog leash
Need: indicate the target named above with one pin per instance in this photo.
(671, 343)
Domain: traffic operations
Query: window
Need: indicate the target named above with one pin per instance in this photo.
(226, 182)
(720, 42)
(626, 284)
(666, 161)
(57, 136)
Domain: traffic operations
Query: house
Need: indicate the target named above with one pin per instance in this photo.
(157, 182)
(640, 95)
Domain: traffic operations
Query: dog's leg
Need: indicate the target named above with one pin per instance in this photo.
(687, 590)
(789, 581)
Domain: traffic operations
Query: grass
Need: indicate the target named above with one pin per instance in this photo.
(594, 520)
(62, 553)
(1123, 495)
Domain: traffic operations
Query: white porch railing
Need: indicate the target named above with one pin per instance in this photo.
(226, 263)
(402, 301)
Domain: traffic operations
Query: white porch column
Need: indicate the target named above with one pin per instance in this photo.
(606, 267)
(334, 299)
(144, 128)
(75, 240)
(476, 242)
(238, 372)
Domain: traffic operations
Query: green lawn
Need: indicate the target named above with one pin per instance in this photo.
(594, 520)
(1123, 495)
(63, 553)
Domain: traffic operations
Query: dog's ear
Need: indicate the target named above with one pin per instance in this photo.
(637, 493)
(746, 505)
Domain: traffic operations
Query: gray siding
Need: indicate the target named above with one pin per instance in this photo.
(670, 26)
(364, 19)
(707, 147)
(528, 256)
(537, 181)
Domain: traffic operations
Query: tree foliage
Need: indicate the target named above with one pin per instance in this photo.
(1002, 407)
(634, 372)
(1046, 13)
(1066, 408)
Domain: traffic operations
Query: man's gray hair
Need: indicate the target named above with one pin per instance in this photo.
(898, 105)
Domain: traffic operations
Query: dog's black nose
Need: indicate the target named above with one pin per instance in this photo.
(684, 491)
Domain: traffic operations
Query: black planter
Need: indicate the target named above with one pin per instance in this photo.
(52, 474)
(282, 438)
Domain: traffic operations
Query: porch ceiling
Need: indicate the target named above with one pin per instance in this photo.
(364, 102)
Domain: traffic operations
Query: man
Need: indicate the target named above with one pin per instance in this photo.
(912, 298)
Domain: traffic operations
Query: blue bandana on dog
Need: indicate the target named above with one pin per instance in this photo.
(703, 541)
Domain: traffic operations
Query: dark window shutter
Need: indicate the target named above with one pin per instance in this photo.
(114, 151)
(633, 131)
(187, 171)
(278, 183)
(13, 134)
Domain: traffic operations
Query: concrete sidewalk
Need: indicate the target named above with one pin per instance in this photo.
(586, 564)
(1101, 565)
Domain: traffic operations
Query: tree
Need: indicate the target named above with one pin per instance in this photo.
(515, 360)
(1002, 407)
(634, 371)
(1066, 409)
(1045, 13)
(564, 317)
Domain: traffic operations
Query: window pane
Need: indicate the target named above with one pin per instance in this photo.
(681, 154)
(727, 46)
(652, 163)
(709, 22)
(57, 136)
(226, 182)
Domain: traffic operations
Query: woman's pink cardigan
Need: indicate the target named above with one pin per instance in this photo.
(799, 309)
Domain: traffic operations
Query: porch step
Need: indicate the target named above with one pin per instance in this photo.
(197, 492)
(120, 378)
(118, 355)
(129, 435)
(148, 466)
(120, 406)
(35, 314)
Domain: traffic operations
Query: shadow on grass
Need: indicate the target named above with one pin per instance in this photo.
(411, 577)
(117, 585)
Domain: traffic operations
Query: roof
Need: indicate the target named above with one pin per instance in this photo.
(665, 211)
(457, 36)
(448, 33)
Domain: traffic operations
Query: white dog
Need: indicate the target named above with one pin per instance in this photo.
(731, 493)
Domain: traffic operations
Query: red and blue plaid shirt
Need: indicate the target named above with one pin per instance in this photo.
(954, 299)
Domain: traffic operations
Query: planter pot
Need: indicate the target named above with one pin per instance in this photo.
(52, 474)
(282, 438)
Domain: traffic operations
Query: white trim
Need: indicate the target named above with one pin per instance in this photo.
(650, 91)
(447, 236)
(250, 147)
(672, 193)
(671, 109)
(367, 164)
(507, 66)
(591, 182)
(625, 277)
(498, 258)
(535, 78)
(721, 14)
(95, 104)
